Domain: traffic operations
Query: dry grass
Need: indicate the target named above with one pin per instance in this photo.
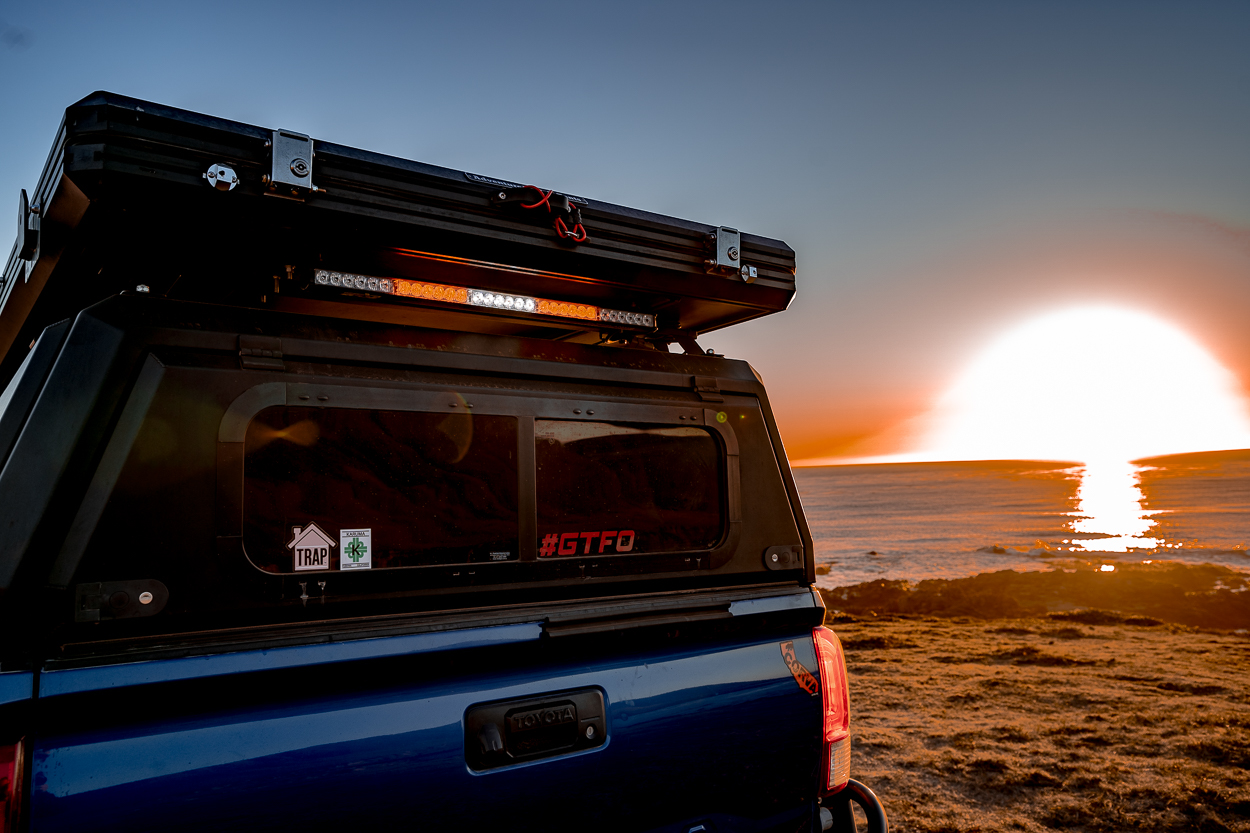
(1050, 724)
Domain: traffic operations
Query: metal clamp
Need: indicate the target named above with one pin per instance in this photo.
(221, 177)
(291, 169)
(726, 245)
(784, 558)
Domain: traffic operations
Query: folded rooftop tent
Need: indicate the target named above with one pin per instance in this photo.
(200, 208)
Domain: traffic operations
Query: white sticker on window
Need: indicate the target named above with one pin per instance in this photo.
(312, 547)
(356, 553)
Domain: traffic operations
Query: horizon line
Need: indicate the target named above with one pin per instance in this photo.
(919, 457)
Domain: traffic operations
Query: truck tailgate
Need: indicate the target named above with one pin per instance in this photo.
(716, 733)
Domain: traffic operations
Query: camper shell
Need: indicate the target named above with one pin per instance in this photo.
(297, 435)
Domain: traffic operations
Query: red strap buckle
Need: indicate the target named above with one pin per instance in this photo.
(577, 235)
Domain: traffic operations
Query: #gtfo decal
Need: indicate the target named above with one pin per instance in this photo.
(570, 543)
(312, 547)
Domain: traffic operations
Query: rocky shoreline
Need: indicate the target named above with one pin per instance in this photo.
(1203, 596)
(1108, 718)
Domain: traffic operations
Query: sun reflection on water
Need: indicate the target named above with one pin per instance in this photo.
(1109, 511)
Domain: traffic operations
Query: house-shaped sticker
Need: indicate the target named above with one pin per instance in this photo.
(312, 547)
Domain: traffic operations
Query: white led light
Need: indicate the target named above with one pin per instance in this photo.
(500, 300)
(616, 316)
(325, 277)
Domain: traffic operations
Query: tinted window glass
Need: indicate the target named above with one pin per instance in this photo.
(339, 489)
(611, 489)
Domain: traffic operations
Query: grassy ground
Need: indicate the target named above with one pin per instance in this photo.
(1067, 721)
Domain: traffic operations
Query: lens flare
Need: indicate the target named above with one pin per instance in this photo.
(305, 432)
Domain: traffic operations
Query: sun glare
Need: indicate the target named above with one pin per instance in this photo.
(1099, 386)
(1090, 385)
(1109, 516)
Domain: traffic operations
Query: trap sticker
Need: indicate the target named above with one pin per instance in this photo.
(312, 547)
(806, 679)
(570, 543)
(357, 552)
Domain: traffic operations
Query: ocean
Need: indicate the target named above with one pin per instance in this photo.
(920, 521)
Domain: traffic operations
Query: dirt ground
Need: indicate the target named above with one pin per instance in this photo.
(1050, 723)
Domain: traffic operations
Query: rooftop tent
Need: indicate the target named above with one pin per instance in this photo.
(192, 207)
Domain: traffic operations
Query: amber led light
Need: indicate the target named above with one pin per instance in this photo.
(483, 298)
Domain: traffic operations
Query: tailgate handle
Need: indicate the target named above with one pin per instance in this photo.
(512, 731)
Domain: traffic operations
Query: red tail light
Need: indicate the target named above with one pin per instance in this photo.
(10, 785)
(835, 696)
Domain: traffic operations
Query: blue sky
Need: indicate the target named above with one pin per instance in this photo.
(943, 170)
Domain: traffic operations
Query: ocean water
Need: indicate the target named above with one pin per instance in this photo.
(950, 520)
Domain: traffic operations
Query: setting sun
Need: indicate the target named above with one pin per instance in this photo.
(1089, 384)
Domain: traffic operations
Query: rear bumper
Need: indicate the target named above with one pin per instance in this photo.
(837, 814)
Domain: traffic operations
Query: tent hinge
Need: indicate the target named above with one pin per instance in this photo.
(261, 353)
(708, 388)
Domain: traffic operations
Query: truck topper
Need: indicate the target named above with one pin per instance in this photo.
(350, 489)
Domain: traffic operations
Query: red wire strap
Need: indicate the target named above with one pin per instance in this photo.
(543, 195)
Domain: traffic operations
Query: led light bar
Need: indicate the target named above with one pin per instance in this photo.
(483, 298)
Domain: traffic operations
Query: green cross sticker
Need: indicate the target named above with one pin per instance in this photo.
(356, 549)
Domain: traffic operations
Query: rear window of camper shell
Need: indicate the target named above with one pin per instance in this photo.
(341, 489)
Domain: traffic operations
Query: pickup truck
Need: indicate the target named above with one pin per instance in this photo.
(339, 491)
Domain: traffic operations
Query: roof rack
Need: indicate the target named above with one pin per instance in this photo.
(138, 195)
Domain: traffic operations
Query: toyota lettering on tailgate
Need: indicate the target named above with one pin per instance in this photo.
(570, 543)
(541, 718)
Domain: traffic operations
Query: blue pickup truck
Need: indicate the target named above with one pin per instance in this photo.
(340, 491)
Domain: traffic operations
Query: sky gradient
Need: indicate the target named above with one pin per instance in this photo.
(945, 172)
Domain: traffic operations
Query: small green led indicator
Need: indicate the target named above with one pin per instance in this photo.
(721, 416)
